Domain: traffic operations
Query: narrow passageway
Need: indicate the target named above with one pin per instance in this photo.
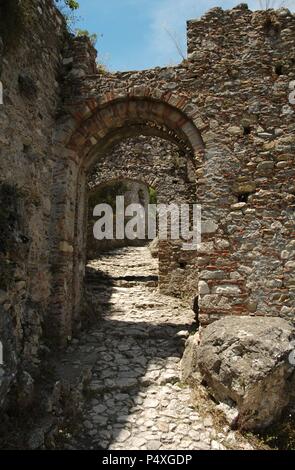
(136, 399)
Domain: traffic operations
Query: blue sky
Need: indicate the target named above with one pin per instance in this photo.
(135, 31)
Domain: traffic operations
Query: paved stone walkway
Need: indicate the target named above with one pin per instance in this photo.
(136, 400)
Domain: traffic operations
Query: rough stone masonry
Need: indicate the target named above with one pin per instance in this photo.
(227, 104)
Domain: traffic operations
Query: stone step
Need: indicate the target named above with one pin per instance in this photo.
(122, 384)
(166, 331)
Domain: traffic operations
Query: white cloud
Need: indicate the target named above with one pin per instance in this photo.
(172, 15)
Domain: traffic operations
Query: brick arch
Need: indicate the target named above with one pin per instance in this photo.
(116, 136)
(174, 115)
(91, 129)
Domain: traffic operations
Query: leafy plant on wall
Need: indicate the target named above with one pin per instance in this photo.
(71, 4)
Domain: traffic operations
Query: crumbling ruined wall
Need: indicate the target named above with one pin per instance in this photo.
(246, 61)
(32, 38)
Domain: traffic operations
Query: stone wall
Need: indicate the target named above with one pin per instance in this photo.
(247, 267)
(32, 38)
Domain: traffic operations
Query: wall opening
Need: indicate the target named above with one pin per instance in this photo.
(114, 121)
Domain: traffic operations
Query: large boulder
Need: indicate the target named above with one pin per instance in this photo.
(247, 364)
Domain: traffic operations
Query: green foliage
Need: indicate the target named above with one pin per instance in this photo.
(85, 32)
(153, 196)
(71, 4)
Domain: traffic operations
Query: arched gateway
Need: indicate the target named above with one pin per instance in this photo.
(90, 135)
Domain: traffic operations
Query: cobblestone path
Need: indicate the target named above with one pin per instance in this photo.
(136, 399)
